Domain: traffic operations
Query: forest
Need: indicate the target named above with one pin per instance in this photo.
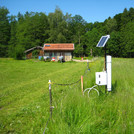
(21, 32)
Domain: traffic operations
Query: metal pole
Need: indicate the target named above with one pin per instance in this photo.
(88, 65)
(50, 94)
(105, 58)
(105, 69)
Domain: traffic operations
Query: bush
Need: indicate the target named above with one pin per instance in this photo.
(35, 53)
(47, 60)
(42, 58)
(19, 52)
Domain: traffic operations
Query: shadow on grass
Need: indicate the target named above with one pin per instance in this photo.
(103, 91)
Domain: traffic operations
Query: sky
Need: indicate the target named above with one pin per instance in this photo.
(90, 10)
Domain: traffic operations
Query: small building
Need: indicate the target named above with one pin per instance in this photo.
(52, 51)
(29, 52)
(59, 49)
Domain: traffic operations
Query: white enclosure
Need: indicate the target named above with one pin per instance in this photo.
(101, 78)
(105, 78)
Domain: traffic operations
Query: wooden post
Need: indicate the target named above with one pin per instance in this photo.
(50, 94)
(82, 84)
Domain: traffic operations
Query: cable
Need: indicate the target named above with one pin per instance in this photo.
(91, 89)
(87, 69)
(67, 84)
(73, 82)
(46, 125)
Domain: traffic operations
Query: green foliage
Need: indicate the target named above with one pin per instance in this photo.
(35, 53)
(34, 29)
(114, 46)
(42, 59)
(127, 39)
(111, 25)
(78, 50)
(93, 38)
(12, 41)
(48, 60)
(19, 52)
(58, 27)
(61, 38)
(4, 31)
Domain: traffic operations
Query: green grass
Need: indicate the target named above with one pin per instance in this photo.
(24, 98)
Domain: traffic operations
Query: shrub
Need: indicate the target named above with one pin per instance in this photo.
(19, 52)
(35, 53)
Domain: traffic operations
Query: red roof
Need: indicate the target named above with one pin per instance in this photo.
(59, 46)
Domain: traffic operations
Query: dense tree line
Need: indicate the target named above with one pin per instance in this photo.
(21, 32)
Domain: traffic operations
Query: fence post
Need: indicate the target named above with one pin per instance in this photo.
(87, 64)
(50, 95)
(82, 84)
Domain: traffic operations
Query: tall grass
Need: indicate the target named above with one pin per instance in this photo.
(24, 103)
(108, 113)
(24, 94)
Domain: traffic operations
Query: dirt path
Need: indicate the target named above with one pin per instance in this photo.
(86, 60)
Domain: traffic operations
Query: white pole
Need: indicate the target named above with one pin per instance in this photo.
(109, 74)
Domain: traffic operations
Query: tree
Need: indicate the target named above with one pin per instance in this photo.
(118, 21)
(125, 17)
(58, 27)
(93, 37)
(20, 17)
(4, 31)
(111, 25)
(19, 52)
(78, 50)
(114, 47)
(127, 39)
(61, 38)
(79, 28)
(131, 14)
(33, 30)
(12, 41)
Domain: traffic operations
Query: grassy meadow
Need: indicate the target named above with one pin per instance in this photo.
(24, 98)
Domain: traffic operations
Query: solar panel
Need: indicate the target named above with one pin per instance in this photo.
(103, 41)
(47, 45)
